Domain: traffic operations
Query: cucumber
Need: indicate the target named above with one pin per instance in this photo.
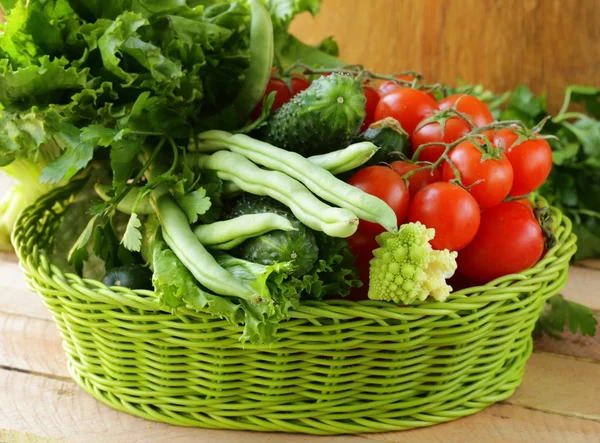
(388, 135)
(298, 246)
(323, 118)
(131, 276)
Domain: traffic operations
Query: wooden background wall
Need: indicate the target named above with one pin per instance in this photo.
(544, 44)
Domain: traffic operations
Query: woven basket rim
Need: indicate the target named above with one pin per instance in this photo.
(31, 256)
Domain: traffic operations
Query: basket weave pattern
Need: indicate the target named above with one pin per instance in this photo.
(338, 367)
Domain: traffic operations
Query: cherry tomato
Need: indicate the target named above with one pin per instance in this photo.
(282, 96)
(416, 181)
(459, 282)
(509, 240)
(450, 210)
(526, 203)
(372, 99)
(531, 161)
(471, 106)
(408, 106)
(454, 128)
(363, 244)
(362, 265)
(505, 138)
(389, 85)
(496, 175)
(384, 183)
(299, 83)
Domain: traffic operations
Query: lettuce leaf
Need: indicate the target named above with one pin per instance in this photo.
(288, 49)
(176, 287)
(333, 275)
(92, 62)
(283, 11)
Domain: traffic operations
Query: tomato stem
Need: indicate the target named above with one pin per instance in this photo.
(359, 71)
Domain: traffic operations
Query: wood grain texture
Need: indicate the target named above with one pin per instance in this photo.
(560, 385)
(15, 296)
(32, 345)
(544, 44)
(60, 410)
(583, 286)
(42, 407)
(502, 423)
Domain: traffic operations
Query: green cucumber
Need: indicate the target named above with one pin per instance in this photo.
(323, 118)
(298, 246)
(388, 135)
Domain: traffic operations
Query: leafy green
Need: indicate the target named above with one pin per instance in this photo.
(329, 46)
(334, 273)
(79, 252)
(98, 80)
(194, 204)
(283, 11)
(147, 69)
(48, 82)
(176, 287)
(559, 312)
(132, 239)
(288, 49)
(525, 106)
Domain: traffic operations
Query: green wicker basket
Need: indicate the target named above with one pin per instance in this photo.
(338, 367)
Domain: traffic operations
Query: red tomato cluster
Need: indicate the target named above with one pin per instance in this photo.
(283, 91)
(494, 236)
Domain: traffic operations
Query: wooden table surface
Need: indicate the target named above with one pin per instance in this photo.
(559, 400)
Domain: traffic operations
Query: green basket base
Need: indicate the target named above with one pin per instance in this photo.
(500, 386)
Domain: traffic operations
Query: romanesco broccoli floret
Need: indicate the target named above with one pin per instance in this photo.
(407, 268)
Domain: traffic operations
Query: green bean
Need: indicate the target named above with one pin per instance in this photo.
(126, 205)
(181, 239)
(228, 234)
(335, 162)
(345, 159)
(335, 222)
(261, 61)
(230, 189)
(318, 180)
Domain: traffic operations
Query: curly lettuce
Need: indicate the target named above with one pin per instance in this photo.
(78, 77)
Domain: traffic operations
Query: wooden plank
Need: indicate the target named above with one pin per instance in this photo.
(590, 263)
(583, 286)
(31, 345)
(561, 385)
(15, 296)
(437, 37)
(61, 410)
(25, 437)
(500, 424)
